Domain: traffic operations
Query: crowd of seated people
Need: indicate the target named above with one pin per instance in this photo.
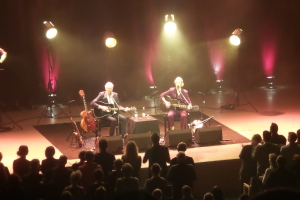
(101, 176)
(272, 164)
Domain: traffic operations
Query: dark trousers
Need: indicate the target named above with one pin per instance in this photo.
(183, 118)
(113, 123)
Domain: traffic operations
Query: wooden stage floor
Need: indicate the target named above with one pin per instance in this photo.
(280, 105)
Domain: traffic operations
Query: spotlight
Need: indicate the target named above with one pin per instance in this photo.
(236, 37)
(110, 40)
(50, 31)
(3, 55)
(271, 82)
(170, 26)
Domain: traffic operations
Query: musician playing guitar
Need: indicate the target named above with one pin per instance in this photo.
(109, 97)
(182, 96)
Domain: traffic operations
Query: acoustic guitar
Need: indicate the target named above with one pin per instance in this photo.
(99, 113)
(88, 122)
(174, 105)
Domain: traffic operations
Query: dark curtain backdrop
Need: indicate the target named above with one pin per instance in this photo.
(143, 55)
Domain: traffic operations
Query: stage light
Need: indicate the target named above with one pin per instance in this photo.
(271, 82)
(51, 32)
(236, 37)
(3, 55)
(219, 86)
(170, 26)
(110, 40)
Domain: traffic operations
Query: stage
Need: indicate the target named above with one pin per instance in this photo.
(215, 165)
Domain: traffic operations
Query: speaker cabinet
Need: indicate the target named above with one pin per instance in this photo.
(206, 135)
(173, 137)
(142, 140)
(114, 144)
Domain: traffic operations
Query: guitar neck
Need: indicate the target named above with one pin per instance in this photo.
(179, 105)
(84, 103)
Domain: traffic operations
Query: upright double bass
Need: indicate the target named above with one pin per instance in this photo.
(88, 122)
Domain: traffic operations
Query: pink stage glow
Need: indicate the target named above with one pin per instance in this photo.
(216, 55)
(268, 53)
(46, 63)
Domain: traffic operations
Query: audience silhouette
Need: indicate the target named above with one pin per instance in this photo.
(132, 157)
(157, 154)
(50, 162)
(21, 165)
(261, 153)
(104, 158)
(249, 166)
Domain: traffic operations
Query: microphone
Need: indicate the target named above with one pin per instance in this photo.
(71, 101)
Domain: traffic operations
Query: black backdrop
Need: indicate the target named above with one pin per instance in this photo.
(138, 24)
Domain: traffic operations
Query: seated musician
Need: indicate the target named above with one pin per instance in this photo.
(108, 102)
(181, 96)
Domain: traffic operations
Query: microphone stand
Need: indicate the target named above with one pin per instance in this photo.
(118, 118)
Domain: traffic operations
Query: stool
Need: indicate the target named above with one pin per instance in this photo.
(176, 118)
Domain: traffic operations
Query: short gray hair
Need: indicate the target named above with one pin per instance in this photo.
(109, 84)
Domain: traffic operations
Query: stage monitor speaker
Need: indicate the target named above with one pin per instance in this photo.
(173, 137)
(142, 140)
(206, 135)
(114, 144)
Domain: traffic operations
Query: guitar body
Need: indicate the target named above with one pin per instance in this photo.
(164, 108)
(98, 113)
(87, 122)
(175, 104)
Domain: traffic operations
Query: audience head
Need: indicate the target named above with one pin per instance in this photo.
(181, 146)
(267, 136)
(1, 156)
(281, 161)
(23, 150)
(14, 181)
(127, 169)
(292, 137)
(89, 156)
(98, 174)
(256, 139)
(75, 177)
(181, 157)
(103, 144)
(186, 191)
(66, 195)
(155, 138)
(118, 163)
(272, 160)
(49, 152)
(131, 150)
(100, 193)
(298, 135)
(208, 196)
(155, 169)
(244, 197)
(157, 194)
(35, 165)
(274, 128)
(81, 155)
(217, 193)
(62, 161)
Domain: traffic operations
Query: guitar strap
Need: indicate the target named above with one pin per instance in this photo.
(184, 98)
